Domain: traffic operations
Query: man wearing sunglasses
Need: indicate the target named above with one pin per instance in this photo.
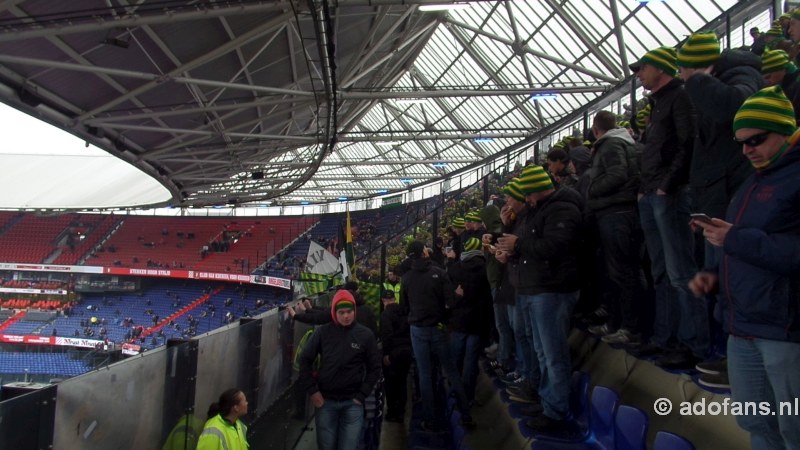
(758, 279)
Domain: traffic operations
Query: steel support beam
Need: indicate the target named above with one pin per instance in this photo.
(527, 49)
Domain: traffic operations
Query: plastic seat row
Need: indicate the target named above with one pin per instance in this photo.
(603, 423)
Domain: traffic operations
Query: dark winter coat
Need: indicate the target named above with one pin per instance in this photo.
(547, 253)
(427, 293)
(471, 312)
(614, 174)
(350, 363)
(759, 277)
(669, 139)
(395, 332)
(718, 165)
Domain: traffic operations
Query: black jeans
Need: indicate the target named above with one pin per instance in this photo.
(396, 376)
(621, 241)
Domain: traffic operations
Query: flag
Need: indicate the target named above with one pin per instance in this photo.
(320, 260)
(346, 248)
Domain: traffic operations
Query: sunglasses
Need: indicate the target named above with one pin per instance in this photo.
(754, 140)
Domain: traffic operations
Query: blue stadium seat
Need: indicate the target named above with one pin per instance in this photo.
(630, 428)
(600, 433)
(671, 441)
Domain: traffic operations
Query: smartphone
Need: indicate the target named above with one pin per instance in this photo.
(448, 250)
(700, 217)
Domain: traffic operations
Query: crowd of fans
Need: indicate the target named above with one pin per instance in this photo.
(639, 228)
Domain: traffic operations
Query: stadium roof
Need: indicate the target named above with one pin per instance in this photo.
(239, 102)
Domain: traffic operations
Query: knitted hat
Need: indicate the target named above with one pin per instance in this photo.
(458, 222)
(784, 16)
(472, 243)
(662, 58)
(473, 216)
(623, 124)
(642, 115)
(796, 14)
(512, 190)
(775, 60)
(768, 110)
(415, 249)
(700, 50)
(534, 179)
(342, 299)
(775, 31)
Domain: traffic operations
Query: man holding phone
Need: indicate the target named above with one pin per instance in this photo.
(758, 279)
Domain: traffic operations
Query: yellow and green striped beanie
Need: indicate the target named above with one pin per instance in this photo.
(775, 60)
(623, 124)
(662, 58)
(512, 190)
(458, 222)
(768, 110)
(472, 243)
(700, 50)
(534, 179)
(473, 216)
(775, 31)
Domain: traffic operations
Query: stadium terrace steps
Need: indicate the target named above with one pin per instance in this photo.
(11, 320)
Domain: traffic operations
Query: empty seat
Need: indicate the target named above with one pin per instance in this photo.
(671, 441)
(630, 428)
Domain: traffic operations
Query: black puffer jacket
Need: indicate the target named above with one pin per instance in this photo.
(718, 165)
(548, 252)
(471, 312)
(614, 174)
(426, 293)
(669, 140)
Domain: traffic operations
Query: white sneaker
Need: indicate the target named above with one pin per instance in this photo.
(621, 336)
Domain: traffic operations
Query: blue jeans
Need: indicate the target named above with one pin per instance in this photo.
(466, 351)
(427, 342)
(505, 344)
(665, 223)
(550, 325)
(339, 424)
(762, 370)
(525, 346)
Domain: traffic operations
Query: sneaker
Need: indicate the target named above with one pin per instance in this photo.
(544, 424)
(600, 330)
(598, 317)
(496, 367)
(677, 361)
(621, 336)
(713, 367)
(512, 378)
(715, 380)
